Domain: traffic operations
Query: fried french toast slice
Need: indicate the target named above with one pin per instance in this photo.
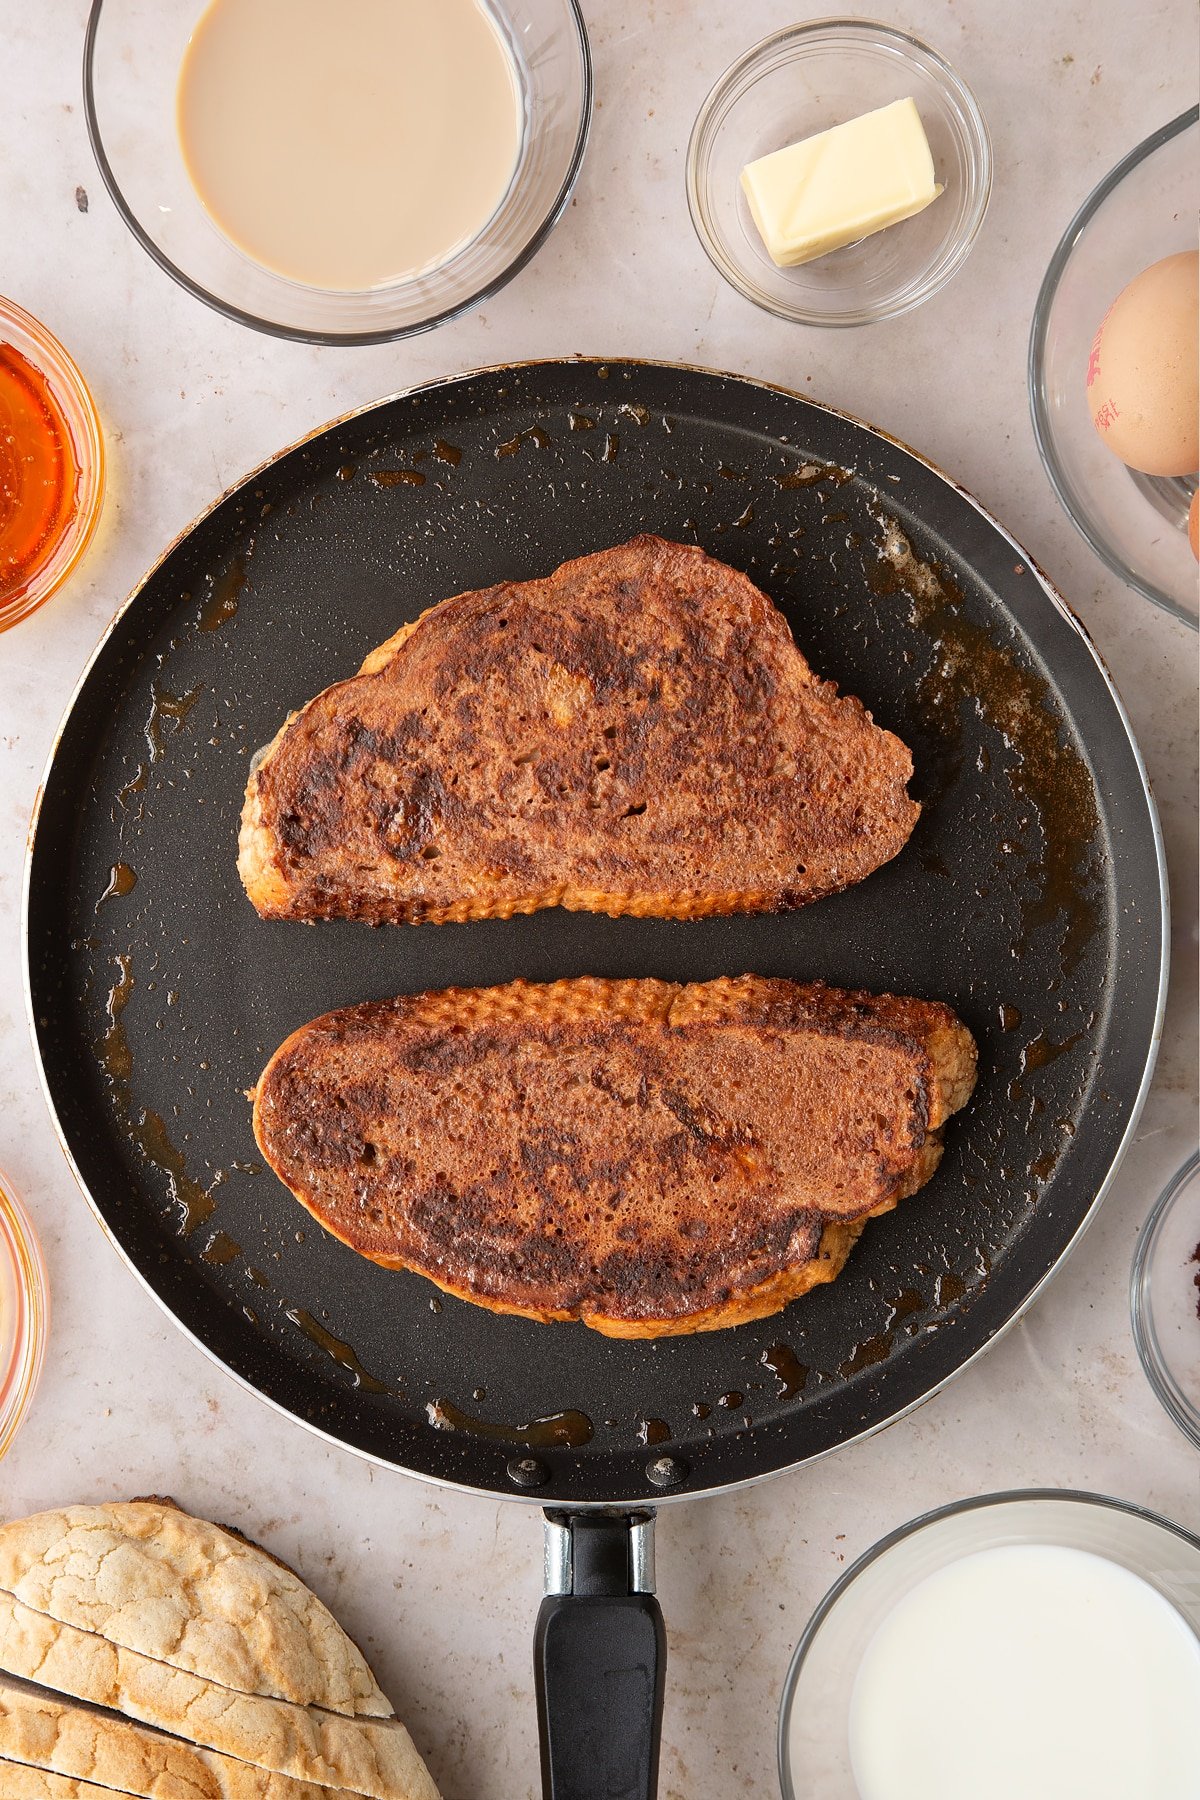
(650, 1158)
(637, 733)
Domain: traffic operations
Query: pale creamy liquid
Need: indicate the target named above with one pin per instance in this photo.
(1029, 1672)
(348, 143)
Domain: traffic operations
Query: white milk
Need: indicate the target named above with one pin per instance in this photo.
(1029, 1672)
(348, 143)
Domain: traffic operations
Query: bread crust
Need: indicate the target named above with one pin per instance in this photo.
(372, 1757)
(150, 1577)
(635, 734)
(649, 1158)
(63, 1737)
(19, 1781)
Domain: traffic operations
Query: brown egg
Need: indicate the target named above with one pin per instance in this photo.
(1194, 524)
(1144, 369)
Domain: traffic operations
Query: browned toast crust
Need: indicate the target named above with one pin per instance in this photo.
(637, 733)
(647, 1157)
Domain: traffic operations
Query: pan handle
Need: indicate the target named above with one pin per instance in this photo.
(600, 1658)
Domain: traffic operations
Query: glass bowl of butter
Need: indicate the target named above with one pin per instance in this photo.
(838, 173)
(338, 174)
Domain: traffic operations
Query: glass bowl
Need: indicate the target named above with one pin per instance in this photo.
(1137, 524)
(814, 1750)
(70, 394)
(24, 1313)
(132, 54)
(803, 80)
(1165, 1298)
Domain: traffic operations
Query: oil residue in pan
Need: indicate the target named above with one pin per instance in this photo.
(788, 1370)
(809, 474)
(224, 593)
(167, 709)
(949, 1288)
(970, 668)
(866, 1354)
(220, 1249)
(876, 1349)
(146, 1127)
(341, 1352)
(533, 434)
(387, 478)
(653, 1431)
(116, 1058)
(121, 882)
(135, 785)
(1040, 1051)
(569, 1430)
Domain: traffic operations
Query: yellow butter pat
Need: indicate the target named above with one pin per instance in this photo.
(842, 184)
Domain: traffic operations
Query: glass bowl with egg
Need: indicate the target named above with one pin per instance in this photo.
(338, 175)
(1165, 1298)
(1135, 518)
(1038, 1642)
(808, 79)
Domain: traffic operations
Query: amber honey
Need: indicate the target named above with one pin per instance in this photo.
(39, 472)
(51, 464)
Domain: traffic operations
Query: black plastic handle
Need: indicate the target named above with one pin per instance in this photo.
(600, 1664)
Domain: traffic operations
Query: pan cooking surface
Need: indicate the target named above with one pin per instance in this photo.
(1028, 898)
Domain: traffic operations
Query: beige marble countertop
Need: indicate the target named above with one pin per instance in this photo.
(442, 1589)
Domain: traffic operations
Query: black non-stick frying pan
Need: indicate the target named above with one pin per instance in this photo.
(1030, 897)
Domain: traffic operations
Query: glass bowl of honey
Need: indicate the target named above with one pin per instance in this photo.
(339, 174)
(24, 1312)
(51, 464)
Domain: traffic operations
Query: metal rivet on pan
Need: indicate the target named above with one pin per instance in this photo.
(667, 1471)
(527, 1471)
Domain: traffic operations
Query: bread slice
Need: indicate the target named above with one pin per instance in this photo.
(649, 1158)
(373, 1757)
(156, 1580)
(18, 1781)
(47, 1732)
(637, 733)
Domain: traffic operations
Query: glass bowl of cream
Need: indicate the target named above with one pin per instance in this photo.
(339, 174)
(805, 80)
(1039, 1643)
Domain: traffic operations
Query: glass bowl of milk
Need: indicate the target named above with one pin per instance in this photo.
(1039, 1644)
(339, 173)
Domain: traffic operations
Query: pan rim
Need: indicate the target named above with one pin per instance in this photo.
(1060, 605)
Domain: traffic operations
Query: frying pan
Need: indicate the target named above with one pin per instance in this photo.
(1031, 897)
